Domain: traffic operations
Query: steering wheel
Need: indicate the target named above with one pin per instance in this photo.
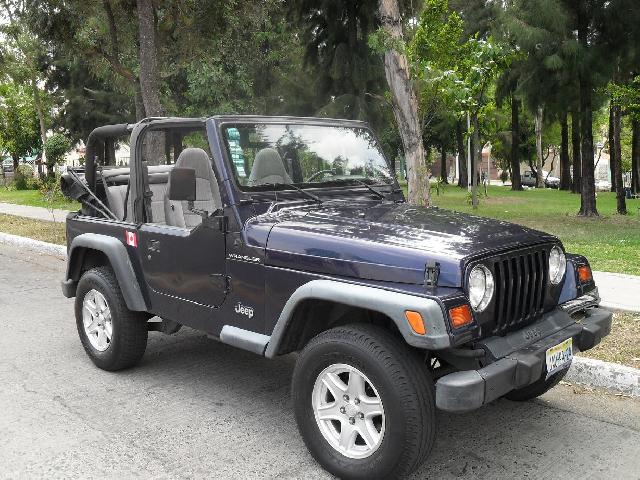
(320, 173)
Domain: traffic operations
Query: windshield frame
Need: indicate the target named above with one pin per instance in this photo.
(247, 191)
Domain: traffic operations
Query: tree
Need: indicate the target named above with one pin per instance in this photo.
(516, 179)
(405, 101)
(335, 35)
(149, 84)
(585, 13)
(55, 148)
(19, 126)
(627, 96)
(20, 55)
(565, 161)
(464, 74)
(545, 75)
(576, 149)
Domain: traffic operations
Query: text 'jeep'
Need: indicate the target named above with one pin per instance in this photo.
(279, 235)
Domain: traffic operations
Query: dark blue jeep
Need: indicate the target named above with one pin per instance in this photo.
(280, 235)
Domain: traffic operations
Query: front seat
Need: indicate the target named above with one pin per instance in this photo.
(177, 213)
(268, 167)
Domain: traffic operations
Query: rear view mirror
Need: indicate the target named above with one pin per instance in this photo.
(182, 184)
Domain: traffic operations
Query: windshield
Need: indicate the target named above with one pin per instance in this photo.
(311, 155)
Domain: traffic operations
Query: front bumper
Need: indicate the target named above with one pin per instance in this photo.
(519, 359)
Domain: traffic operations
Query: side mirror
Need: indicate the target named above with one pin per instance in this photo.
(182, 184)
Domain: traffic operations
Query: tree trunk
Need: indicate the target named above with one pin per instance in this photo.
(613, 162)
(516, 179)
(576, 148)
(565, 173)
(621, 204)
(443, 165)
(588, 192)
(635, 156)
(139, 103)
(462, 158)
(152, 142)
(405, 104)
(476, 159)
(148, 67)
(43, 128)
(539, 159)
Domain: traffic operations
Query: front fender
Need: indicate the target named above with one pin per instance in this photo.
(391, 304)
(120, 262)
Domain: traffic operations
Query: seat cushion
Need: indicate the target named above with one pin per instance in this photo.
(116, 196)
(158, 192)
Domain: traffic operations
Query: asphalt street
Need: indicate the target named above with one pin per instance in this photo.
(195, 408)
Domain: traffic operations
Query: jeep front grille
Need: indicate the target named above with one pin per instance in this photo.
(521, 284)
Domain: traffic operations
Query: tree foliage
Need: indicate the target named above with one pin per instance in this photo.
(55, 148)
(19, 129)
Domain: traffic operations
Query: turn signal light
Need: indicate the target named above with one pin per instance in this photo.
(584, 274)
(415, 322)
(460, 316)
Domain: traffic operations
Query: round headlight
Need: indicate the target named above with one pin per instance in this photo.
(480, 287)
(557, 265)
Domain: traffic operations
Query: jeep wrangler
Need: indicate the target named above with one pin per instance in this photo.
(279, 235)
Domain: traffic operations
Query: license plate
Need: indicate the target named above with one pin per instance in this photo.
(559, 357)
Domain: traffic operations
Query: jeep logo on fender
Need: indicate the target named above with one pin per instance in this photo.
(242, 310)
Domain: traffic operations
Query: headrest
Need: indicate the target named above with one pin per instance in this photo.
(197, 159)
(267, 163)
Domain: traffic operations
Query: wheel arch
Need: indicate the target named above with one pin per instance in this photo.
(90, 250)
(334, 303)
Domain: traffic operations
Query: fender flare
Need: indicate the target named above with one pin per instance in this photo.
(120, 262)
(390, 303)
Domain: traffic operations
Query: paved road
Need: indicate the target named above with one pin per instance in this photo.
(195, 408)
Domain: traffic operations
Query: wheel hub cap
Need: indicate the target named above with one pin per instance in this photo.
(96, 319)
(348, 411)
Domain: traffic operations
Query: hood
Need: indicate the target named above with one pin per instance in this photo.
(387, 241)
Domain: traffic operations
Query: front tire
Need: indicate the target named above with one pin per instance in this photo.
(364, 403)
(113, 336)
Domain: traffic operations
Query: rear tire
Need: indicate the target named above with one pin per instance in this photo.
(388, 377)
(537, 388)
(113, 336)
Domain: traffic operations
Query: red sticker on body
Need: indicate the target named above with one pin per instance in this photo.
(132, 239)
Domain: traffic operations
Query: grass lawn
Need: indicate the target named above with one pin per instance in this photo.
(610, 242)
(623, 344)
(37, 229)
(34, 198)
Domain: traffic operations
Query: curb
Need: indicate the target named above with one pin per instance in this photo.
(587, 371)
(619, 307)
(611, 376)
(36, 245)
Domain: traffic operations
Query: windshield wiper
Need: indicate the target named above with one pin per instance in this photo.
(313, 197)
(366, 185)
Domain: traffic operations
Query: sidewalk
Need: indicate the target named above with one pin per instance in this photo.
(618, 291)
(38, 213)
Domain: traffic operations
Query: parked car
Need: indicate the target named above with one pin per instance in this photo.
(551, 182)
(7, 165)
(529, 178)
(281, 234)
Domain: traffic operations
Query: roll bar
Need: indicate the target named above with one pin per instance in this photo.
(95, 148)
